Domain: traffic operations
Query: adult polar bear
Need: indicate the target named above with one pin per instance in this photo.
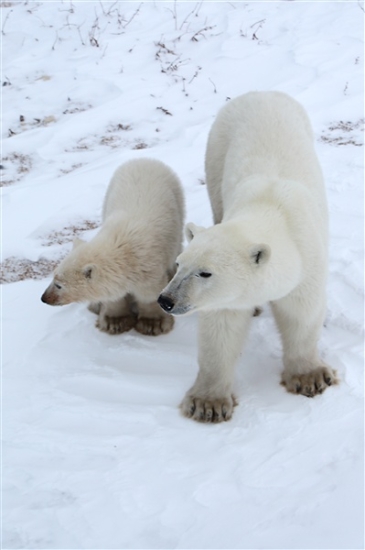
(269, 245)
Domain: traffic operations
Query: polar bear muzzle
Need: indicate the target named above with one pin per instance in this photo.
(168, 305)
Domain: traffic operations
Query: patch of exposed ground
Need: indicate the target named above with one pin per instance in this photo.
(113, 137)
(15, 269)
(25, 124)
(65, 171)
(67, 234)
(14, 167)
(344, 133)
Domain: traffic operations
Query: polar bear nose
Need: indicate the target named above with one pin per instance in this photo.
(165, 302)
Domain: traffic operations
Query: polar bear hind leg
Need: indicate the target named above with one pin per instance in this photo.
(304, 372)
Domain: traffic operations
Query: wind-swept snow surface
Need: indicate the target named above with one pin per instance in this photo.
(95, 452)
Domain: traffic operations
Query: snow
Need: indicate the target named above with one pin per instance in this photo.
(95, 453)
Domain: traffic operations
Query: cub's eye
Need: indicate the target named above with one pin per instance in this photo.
(57, 286)
(204, 274)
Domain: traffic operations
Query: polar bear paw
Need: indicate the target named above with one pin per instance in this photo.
(312, 383)
(208, 410)
(154, 326)
(115, 325)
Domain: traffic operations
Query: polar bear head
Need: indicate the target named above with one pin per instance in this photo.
(219, 269)
(88, 273)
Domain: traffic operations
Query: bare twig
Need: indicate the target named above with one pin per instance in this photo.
(55, 42)
(215, 89)
(186, 18)
(200, 33)
(164, 111)
(195, 75)
(259, 23)
(80, 35)
(111, 10)
(104, 52)
(199, 5)
(134, 15)
(175, 15)
(5, 20)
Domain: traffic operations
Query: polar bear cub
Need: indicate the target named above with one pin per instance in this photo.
(269, 244)
(122, 270)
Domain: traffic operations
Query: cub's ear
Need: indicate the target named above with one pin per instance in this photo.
(191, 230)
(260, 254)
(77, 242)
(90, 271)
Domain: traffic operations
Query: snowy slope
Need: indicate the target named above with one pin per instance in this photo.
(95, 454)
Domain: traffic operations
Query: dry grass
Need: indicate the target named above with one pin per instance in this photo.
(77, 108)
(344, 133)
(67, 234)
(71, 168)
(20, 164)
(25, 124)
(110, 141)
(15, 269)
(140, 145)
(118, 127)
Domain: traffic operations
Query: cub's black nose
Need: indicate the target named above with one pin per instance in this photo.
(165, 302)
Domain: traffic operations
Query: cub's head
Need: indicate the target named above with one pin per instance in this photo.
(80, 277)
(219, 269)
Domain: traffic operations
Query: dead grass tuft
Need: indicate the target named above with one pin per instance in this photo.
(77, 108)
(15, 269)
(71, 169)
(67, 234)
(140, 145)
(20, 165)
(110, 141)
(118, 127)
(344, 133)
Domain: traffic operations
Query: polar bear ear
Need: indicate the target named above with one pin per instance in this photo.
(89, 271)
(191, 230)
(77, 242)
(260, 254)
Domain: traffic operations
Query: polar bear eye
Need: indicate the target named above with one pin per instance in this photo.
(204, 274)
(57, 286)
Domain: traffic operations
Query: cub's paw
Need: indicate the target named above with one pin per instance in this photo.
(154, 326)
(115, 325)
(94, 307)
(312, 383)
(208, 410)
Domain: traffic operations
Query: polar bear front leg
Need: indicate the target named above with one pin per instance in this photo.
(221, 335)
(116, 317)
(152, 321)
(300, 323)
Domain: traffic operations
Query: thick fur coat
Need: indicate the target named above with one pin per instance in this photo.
(122, 270)
(269, 244)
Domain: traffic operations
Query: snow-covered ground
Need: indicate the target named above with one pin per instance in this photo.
(95, 452)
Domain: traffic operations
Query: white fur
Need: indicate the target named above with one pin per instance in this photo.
(269, 245)
(125, 266)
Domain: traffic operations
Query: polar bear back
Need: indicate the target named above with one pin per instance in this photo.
(264, 134)
(148, 189)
